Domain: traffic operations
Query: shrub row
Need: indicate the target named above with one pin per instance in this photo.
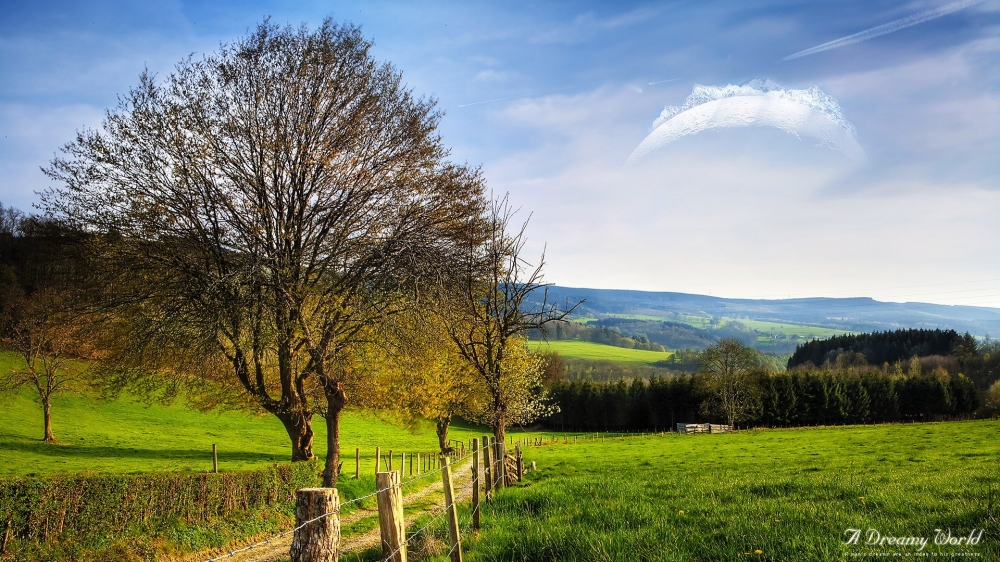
(79, 513)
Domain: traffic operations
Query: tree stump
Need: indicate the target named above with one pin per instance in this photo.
(318, 541)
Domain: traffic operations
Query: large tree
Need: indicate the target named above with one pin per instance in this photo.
(262, 205)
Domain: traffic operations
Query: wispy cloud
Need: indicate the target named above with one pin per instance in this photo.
(879, 30)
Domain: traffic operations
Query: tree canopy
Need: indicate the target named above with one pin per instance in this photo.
(261, 206)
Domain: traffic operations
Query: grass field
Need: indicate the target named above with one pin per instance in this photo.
(767, 329)
(589, 350)
(123, 436)
(767, 495)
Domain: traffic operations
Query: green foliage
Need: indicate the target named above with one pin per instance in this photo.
(789, 494)
(94, 516)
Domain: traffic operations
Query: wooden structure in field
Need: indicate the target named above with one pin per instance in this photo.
(703, 428)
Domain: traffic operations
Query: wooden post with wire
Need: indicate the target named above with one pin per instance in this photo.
(487, 468)
(475, 485)
(454, 539)
(319, 541)
(390, 516)
(520, 462)
(500, 461)
(378, 460)
(215, 458)
(357, 463)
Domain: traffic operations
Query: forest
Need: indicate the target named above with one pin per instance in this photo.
(885, 347)
(782, 399)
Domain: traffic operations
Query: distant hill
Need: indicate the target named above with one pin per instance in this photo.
(848, 314)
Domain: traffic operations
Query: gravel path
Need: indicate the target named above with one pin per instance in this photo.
(278, 549)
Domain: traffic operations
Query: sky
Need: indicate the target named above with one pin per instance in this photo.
(552, 99)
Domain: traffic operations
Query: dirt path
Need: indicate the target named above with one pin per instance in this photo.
(278, 548)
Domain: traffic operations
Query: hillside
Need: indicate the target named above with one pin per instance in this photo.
(837, 314)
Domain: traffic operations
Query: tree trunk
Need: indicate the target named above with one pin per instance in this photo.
(336, 399)
(47, 414)
(298, 425)
(442, 433)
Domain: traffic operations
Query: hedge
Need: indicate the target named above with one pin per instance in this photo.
(64, 516)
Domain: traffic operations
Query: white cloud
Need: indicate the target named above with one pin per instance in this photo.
(744, 213)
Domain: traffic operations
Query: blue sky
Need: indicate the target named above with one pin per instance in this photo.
(750, 212)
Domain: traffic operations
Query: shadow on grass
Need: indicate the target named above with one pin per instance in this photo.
(113, 452)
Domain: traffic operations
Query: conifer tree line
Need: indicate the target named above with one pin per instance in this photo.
(783, 399)
(885, 347)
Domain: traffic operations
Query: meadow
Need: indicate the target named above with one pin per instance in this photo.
(577, 349)
(756, 495)
(127, 436)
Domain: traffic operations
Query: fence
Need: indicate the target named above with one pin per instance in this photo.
(316, 535)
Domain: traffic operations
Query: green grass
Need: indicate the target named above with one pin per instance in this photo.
(126, 436)
(805, 332)
(791, 494)
(589, 350)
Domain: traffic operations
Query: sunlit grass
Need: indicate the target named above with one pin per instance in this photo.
(577, 349)
(791, 494)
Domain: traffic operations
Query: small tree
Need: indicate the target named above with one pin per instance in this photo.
(45, 335)
(499, 297)
(992, 402)
(730, 368)
(426, 377)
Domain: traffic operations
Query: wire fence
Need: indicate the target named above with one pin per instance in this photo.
(302, 525)
(435, 518)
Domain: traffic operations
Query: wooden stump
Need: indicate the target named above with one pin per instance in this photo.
(318, 541)
(390, 516)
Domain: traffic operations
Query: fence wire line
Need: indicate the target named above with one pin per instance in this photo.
(329, 513)
(426, 525)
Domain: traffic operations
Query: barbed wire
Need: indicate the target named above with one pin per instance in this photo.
(233, 553)
(428, 524)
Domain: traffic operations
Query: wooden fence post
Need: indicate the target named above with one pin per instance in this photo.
(378, 460)
(475, 485)
(454, 540)
(500, 461)
(357, 463)
(487, 468)
(390, 515)
(390, 460)
(318, 541)
(215, 459)
(411, 464)
(520, 463)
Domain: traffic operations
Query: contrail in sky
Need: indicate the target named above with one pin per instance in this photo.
(885, 28)
(665, 81)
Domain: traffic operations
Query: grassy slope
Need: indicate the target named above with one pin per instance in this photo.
(127, 436)
(590, 350)
(788, 493)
